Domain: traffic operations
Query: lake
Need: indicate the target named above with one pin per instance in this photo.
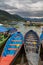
(23, 29)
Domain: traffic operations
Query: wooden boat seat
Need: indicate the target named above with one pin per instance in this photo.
(12, 48)
(14, 44)
(30, 46)
(30, 36)
(32, 40)
(16, 40)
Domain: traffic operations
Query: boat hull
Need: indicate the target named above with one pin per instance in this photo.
(3, 44)
(11, 49)
(41, 49)
(32, 47)
(9, 60)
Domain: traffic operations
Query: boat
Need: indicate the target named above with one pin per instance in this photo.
(3, 39)
(21, 59)
(12, 30)
(3, 35)
(32, 46)
(41, 49)
(3, 42)
(11, 49)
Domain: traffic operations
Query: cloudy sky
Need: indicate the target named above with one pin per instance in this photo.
(24, 8)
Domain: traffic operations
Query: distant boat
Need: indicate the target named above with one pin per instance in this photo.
(12, 30)
(41, 50)
(13, 23)
(32, 45)
(3, 29)
(11, 49)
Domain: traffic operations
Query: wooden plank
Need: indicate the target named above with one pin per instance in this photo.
(14, 44)
(12, 48)
(16, 40)
(31, 41)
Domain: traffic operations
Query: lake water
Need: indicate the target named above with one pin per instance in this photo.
(23, 29)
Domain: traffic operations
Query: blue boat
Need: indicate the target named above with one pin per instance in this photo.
(12, 48)
(3, 29)
(41, 37)
(12, 30)
(41, 50)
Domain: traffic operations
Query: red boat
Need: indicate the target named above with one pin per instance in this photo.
(11, 49)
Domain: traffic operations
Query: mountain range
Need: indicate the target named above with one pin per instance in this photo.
(5, 16)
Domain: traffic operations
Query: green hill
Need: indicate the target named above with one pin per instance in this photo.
(5, 16)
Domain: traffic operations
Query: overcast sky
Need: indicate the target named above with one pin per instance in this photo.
(24, 8)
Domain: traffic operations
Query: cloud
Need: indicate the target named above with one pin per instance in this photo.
(5, 6)
(34, 1)
(31, 14)
(25, 8)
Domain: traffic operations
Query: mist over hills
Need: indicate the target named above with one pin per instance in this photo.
(34, 19)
